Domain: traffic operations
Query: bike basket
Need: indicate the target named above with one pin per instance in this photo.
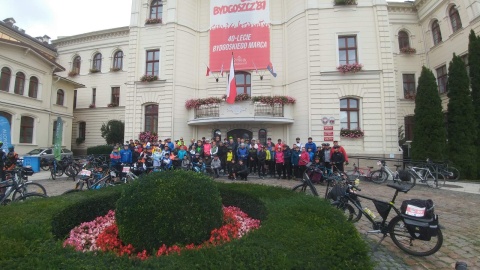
(6, 183)
(383, 208)
(421, 229)
(418, 208)
(336, 193)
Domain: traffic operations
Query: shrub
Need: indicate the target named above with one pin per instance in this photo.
(99, 150)
(176, 207)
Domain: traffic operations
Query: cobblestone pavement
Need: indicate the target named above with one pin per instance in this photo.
(459, 214)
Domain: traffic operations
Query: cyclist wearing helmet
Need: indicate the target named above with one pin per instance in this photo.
(11, 159)
(3, 156)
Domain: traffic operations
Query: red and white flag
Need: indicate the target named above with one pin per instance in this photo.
(208, 71)
(232, 84)
(221, 70)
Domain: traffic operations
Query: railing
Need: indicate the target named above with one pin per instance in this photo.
(262, 109)
(207, 111)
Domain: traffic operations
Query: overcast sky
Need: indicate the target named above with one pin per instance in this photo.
(56, 18)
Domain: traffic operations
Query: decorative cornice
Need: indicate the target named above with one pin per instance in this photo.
(92, 36)
(402, 9)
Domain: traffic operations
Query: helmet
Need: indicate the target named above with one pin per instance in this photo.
(11, 148)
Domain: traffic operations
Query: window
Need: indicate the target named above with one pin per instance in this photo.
(403, 40)
(115, 96)
(156, 9)
(97, 62)
(60, 97)
(94, 96)
(151, 118)
(455, 19)
(437, 34)
(262, 136)
(26, 129)
(347, 49)
(153, 58)
(349, 113)
(82, 127)
(76, 65)
(74, 99)
(33, 87)
(409, 86)
(54, 133)
(118, 60)
(409, 123)
(5, 79)
(19, 83)
(442, 79)
(244, 82)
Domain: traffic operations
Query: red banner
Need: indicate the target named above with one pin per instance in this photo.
(328, 128)
(241, 27)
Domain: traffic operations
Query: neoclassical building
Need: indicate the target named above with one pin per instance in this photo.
(32, 93)
(308, 41)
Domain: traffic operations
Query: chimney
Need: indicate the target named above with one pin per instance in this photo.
(9, 21)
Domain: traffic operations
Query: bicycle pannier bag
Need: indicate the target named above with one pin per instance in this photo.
(418, 208)
(28, 171)
(422, 229)
(336, 193)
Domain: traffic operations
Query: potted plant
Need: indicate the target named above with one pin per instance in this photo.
(271, 100)
(153, 21)
(115, 69)
(350, 68)
(408, 50)
(345, 2)
(147, 136)
(148, 78)
(351, 133)
(94, 70)
(91, 106)
(72, 73)
(410, 95)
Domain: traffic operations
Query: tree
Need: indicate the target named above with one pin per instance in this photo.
(113, 131)
(474, 66)
(429, 135)
(461, 120)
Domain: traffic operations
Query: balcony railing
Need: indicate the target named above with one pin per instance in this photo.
(207, 111)
(262, 109)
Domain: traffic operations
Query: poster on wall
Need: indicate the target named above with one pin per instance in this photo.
(241, 27)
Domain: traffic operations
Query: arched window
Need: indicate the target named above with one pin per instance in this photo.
(118, 60)
(437, 34)
(26, 129)
(60, 97)
(7, 116)
(82, 129)
(19, 83)
(262, 136)
(455, 19)
(244, 82)
(403, 40)
(76, 65)
(5, 79)
(33, 87)
(151, 118)
(97, 62)
(349, 111)
(156, 9)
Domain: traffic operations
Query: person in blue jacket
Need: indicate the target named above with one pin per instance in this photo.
(126, 155)
(311, 145)
(242, 153)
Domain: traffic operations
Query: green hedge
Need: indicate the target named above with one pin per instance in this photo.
(297, 232)
(100, 150)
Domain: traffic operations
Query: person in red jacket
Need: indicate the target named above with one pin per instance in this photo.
(341, 150)
(279, 162)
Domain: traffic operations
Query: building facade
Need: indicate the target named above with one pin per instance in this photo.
(32, 94)
(309, 40)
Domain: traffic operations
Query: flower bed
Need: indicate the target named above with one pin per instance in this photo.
(153, 21)
(148, 78)
(408, 50)
(351, 133)
(270, 100)
(94, 70)
(147, 136)
(350, 68)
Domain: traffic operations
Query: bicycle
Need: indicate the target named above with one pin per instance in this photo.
(103, 179)
(20, 189)
(424, 175)
(370, 175)
(56, 169)
(443, 172)
(414, 235)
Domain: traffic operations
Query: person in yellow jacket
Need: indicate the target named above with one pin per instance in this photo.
(229, 157)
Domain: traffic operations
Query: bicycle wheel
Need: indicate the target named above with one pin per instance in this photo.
(358, 212)
(430, 180)
(304, 188)
(416, 247)
(378, 177)
(452, 174)
(59, 171)
(71, 171)
(347, 210)
(52, 173)
(28, 187)
(44, 164)
(30, 197)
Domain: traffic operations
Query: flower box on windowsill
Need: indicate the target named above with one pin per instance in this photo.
(72, 74)
(91, 106)
(111, 105)
(345, 2)
(351, 133)
(148, 78)
(153, 21)
(410, 96)
(94, 70)
(408, 50)
(115, 69)
(353, 68)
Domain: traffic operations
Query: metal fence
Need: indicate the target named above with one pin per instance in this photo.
(262, 109)
(208, 110)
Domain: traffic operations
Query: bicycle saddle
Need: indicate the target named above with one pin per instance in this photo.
(403, 189)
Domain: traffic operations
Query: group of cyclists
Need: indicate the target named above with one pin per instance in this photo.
(236, 158)
(8, 162)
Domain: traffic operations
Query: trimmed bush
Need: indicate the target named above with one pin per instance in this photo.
(297, 232)
(174, 207)
(100, 150)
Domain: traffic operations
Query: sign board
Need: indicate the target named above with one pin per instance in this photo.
(328, 128)
(328, 133)
(328, 139)
(241, 27)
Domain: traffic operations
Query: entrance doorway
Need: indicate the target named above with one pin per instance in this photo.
(239, 133)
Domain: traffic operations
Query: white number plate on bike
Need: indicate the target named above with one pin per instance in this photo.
(415, 211)
(126, 169)
(85, 173)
